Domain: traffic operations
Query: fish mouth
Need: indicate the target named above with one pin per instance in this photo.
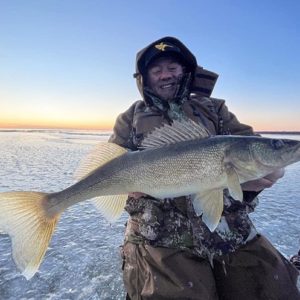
(293, 153)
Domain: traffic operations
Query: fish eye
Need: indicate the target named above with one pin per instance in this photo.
(277, 144)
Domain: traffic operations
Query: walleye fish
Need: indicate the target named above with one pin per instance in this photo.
(178, 160)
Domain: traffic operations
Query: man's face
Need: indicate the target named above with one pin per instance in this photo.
(163, 77)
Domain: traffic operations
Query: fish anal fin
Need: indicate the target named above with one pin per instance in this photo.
(210, 205)
(233, 183)
(179, 131)
(100, 155)
(111, 207)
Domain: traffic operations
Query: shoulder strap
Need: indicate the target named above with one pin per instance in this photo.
(220, 125)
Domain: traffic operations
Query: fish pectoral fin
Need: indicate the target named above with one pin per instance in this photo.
(233, 183)
(100, 155)
(210, 205)
(24, 219)
(111, 207)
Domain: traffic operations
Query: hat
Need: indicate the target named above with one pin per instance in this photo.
(166, 46)
(162, 49)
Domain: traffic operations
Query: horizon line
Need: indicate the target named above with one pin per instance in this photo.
(36, 128)
(41, 127)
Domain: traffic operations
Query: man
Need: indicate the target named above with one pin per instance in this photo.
(169, 253)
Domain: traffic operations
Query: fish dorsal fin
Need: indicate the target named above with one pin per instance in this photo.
(100, 155)
(179, 131)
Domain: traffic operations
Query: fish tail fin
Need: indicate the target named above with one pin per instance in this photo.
(24, 219)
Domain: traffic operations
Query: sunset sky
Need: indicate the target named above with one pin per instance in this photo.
(69, 63)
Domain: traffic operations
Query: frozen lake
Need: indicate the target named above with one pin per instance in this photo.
(83, 259)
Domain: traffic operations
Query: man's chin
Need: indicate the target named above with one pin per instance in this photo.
(167, 97)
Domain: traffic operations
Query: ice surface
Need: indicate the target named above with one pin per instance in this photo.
(83, 260)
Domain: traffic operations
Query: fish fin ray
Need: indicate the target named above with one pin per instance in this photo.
(23, 218)
(100, 155)
(177, 132)
(210, 205)
(111, 207)
(233, 182)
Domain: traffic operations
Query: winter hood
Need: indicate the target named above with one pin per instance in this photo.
(203, 81)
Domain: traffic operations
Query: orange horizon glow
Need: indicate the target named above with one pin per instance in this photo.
(57, 125)
(263, 125)
(93, 121)
(108, 125)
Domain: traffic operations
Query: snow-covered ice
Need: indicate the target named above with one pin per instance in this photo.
(83, 260)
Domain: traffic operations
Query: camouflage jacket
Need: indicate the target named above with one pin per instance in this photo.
(173, 222)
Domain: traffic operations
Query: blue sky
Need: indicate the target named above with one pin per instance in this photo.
(70, 63)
